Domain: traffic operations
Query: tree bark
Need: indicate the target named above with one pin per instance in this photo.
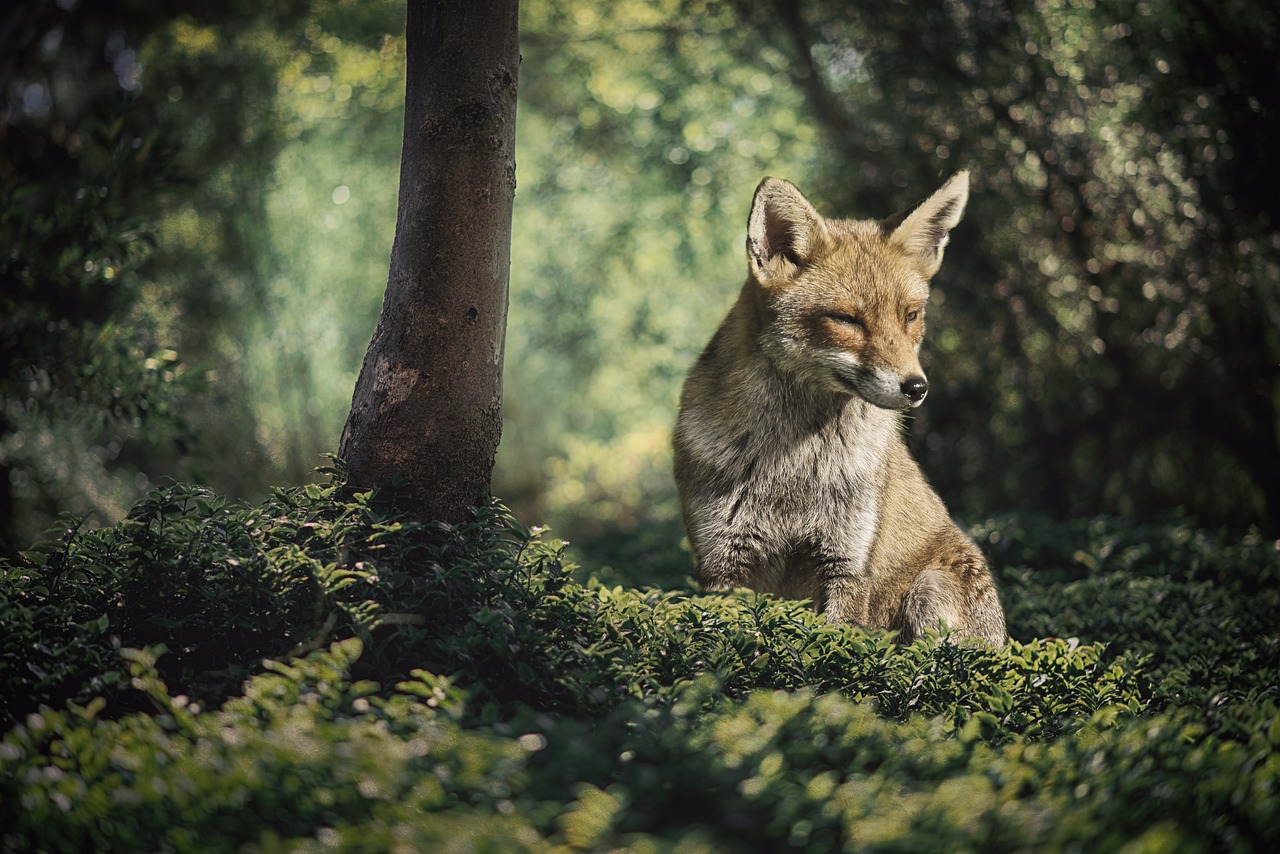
(426, 415)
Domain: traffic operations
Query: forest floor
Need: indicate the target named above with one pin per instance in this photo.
(311, 673)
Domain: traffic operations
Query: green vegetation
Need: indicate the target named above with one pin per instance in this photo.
(1103, 334)
(196, 208)
(313, 672)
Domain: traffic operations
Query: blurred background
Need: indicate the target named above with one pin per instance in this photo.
(197, 203)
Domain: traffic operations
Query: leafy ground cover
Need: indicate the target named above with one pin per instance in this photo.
(312, 673)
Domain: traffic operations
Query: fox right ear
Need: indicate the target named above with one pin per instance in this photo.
(923, 233)
(782, 231)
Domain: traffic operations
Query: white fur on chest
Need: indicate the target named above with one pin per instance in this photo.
(795, 475)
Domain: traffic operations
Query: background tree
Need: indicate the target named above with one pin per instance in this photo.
(427, 408)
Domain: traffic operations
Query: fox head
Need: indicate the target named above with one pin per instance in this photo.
(842, 302)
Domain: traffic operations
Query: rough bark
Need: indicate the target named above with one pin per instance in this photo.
(427, 408)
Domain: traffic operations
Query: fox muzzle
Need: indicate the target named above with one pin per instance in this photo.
(914, 389)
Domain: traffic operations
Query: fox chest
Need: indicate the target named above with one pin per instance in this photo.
(814, 499)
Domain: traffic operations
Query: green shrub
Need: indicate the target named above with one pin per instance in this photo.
(305, 752)
(1198, 606)
(308, 758)
(1136, 705)
(221, 585)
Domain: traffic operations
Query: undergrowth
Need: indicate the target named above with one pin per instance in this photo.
(314, 671)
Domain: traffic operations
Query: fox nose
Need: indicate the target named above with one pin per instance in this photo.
(915, 388)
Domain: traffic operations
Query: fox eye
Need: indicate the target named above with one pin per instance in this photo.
(913, 315)
(847, 320)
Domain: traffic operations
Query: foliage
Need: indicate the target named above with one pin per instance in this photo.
(221, 585)
(304, 751)
(486, 696)
(586, 716)
(154, 226)
(87, 382)
(1111, 297)
(309, 758)
(1197, 604)
(1103, 332)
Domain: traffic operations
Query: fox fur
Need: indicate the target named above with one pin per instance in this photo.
(793, 473)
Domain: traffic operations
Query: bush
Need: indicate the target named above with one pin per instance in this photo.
(221, 585)
(308, 758)
(1197, 606)
(338, 676)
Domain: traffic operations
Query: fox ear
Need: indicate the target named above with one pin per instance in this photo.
(782, 231)
(924, 232)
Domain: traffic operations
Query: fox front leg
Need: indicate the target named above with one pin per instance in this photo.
(728, 559)
(845, 596)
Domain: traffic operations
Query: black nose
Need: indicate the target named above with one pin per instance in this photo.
(915, 388)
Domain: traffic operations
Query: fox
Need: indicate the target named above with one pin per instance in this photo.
(793, 474)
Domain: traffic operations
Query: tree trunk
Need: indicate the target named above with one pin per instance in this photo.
(427, 409)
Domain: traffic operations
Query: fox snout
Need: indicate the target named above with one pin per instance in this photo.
(882, 387)
(914, 389)
(880, 391)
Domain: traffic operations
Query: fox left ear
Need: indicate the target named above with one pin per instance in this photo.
(924, 232)
(782, 232)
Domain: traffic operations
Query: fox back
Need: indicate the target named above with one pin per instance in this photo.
(793, 474)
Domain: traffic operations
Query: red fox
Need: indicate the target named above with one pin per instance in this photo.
(793, 474)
